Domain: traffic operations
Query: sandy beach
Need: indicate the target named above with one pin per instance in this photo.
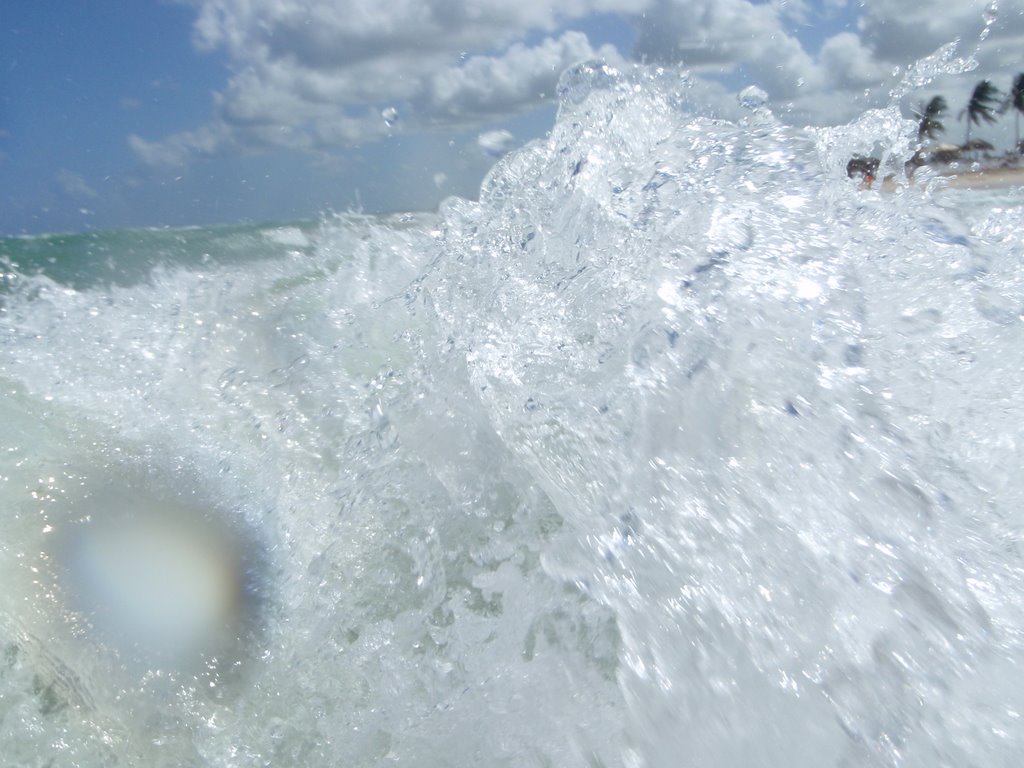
(988, 178)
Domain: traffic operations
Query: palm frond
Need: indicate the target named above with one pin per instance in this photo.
(928, 115)
(1016, 95)
(981, 106)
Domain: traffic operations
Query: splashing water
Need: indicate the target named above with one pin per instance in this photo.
(675, 449)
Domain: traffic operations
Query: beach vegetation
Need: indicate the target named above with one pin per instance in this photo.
(930, 125)
(981, 107)
(1015, 101)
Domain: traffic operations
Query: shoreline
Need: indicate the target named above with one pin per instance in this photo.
(986, 178)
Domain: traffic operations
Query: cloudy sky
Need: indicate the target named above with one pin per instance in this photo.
(201, 111)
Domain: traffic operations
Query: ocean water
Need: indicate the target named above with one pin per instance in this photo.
(675, 449)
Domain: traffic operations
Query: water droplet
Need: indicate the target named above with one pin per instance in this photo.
(389, 115)
(752, 97)
(991, 13)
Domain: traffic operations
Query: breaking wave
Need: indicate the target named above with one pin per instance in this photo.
(676, 448)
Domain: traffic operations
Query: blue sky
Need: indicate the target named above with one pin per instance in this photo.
(118, 114)
(75, 80)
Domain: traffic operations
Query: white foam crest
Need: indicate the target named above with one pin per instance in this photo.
(751, 389)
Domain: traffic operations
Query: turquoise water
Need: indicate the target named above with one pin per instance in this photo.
(674, 449)
(126, 257)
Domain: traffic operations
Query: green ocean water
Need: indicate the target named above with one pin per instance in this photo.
(126, 257)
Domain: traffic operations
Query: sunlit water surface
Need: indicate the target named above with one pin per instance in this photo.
(676, 449)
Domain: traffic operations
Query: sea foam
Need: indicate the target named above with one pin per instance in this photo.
(675, 448)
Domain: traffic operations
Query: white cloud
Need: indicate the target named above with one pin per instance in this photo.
(495, 143)
(308, 72)
(905, 30)
(175, 150)
(700, 33)
(488, 86)
(73, 185)
(849, 63)
(316, 75)
(767, 43)
(721, 36)
(798, 11)
(335, 34)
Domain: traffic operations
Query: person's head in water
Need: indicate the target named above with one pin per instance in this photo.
(864, 168)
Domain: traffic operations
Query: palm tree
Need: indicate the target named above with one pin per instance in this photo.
(929, 115)
(1015, 99)
(980, 107)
